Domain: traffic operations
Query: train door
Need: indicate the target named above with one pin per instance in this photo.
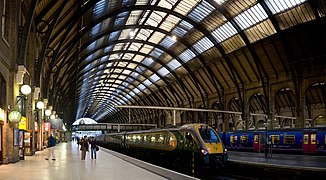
(258, 142)
(309, 142)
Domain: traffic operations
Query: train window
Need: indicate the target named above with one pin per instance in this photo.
(275, 139)
(313, 138)
(306, 139)
(208, 135)
(256, 138)
(244, 139)
(289, 139)
(233, 138)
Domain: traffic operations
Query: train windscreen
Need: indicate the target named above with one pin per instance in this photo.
(208, 135)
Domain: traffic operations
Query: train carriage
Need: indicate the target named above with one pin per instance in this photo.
(183, 146)
(294, 141)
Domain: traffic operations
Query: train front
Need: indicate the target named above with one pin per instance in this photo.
(212, 149)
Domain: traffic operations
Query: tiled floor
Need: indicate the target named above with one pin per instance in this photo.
(69, 166)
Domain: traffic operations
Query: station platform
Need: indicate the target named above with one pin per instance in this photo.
(69, 166)
(285, 161)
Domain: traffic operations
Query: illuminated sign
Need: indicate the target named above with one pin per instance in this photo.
(2, 114)
(23, 123)
(36, 126)
(46, 127)
(14, 116)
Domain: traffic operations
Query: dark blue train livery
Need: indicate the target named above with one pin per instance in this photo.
(296, 140)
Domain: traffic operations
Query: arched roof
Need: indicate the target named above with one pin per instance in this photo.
(100, 53)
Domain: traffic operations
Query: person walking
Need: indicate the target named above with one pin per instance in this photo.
(93, 147)
(51, 145)
(83, 147)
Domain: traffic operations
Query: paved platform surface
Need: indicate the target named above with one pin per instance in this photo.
(69, 166)
(305, 162)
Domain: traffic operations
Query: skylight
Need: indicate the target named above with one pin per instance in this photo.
(203, 45)
(251, 16)
(277, 6)
(154, 78)
(224, 32)
(187, 55)
(173, 64)
(163, 71)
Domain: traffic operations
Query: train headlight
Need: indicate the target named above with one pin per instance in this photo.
(225, 151)
(204, 151)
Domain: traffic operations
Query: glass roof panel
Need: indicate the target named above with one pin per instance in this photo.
(173, 64)
(187, 55)
(121, 18)
(224, 32)
(154, 78)
(251, 16)
(148, 62)
(203, 45)
(128, 96)
(147, 82)
(156, 53)
(99, 7)
(132, 93)
(142, 2)
(135, 75)
(277, 6)
(96, 28)
(179, 31)
(144, 34)
(184, 7)
(91, 46)
(146, 49)
(138, 58)
(169, 23)
(167, 3)
(114, 36)
(144, 17)
(136, 91)
(185, 25)
(163, 71)
(141, 87)
(156, 37)
(167, 42)
(133, 17)
(201, 11)
(108, 49)
(155, 19)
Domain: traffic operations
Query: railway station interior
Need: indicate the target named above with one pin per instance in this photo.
(126, 65)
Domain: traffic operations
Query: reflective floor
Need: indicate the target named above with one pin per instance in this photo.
(69, 166)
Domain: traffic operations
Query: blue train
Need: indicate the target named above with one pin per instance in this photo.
(294, 141)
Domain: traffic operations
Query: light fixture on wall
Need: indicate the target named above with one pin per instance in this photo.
(48, 112)
(40, 105)
(26, 89)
